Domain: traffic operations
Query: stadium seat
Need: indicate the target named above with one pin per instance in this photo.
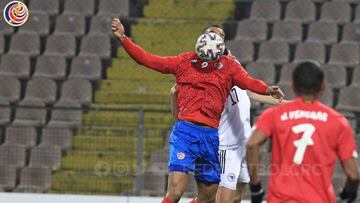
(5, 112)
(338, 12)
(51, 66)
(48, 156)
(266, 10)
(41, 89)
(25, 44)
(86, 67)
(286, 73)
(253, 30)
(13, 154)
(77, 90)
(335, 76)
(45, 6)
(79, 7)
(38, 23)
(70, 24)
(349, 1)
(349, 100)
(7, 177)
(96, 45)
(323, 32)
(15, 65)
(20, 135)
(243, 50)
(263, 71)
(27, 116)
(57, 136)
(66, 114)
(5, 29)
(351, 33)
(274, 52)
(345, 54)
(34, 179)
(356, 77)
(2, 45)
(357, 14)
(327, 97)
(9, 89)
(100, 25)
(61, 44)
(114, 8)
(301, 10)
(287, 31)
(310, 50)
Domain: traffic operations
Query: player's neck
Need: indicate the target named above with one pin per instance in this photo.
(308, 99)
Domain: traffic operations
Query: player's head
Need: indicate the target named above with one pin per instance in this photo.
(215, 29)
(308, 79)
(218, 30)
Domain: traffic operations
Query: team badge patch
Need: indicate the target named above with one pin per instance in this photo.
(180, 155)
(16, 13)
(231, 177)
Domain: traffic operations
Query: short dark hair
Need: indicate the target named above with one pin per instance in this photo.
(308, 78)
(210, 26)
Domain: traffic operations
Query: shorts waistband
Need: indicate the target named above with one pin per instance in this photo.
(198, 127)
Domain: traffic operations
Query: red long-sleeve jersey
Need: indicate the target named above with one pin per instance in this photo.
(202, 86)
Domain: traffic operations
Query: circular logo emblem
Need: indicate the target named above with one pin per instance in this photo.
(16, 13)
(180, 155)
(231, 177)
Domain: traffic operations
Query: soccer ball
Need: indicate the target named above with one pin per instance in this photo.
(210, 46)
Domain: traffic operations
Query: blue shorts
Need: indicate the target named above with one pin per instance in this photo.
(195, 149)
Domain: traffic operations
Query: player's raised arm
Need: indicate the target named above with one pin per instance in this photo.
(158, 63)
(242, 79)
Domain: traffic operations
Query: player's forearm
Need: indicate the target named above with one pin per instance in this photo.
(263, 98)
(256, 86)
(253, 159)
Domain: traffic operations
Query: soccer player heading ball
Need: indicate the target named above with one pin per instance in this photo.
(202, 87)
(307, 136)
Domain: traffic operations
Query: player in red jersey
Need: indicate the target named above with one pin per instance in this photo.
(307, 136)
(203, 87)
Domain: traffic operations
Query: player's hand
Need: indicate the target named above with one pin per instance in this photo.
(347, 195)
(276, 92)
(118, 28)
(257, 193)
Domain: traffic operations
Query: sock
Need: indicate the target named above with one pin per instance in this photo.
(193, 200)
(166, 200)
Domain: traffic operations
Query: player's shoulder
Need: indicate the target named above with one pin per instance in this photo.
(229, 59)
(335, 115)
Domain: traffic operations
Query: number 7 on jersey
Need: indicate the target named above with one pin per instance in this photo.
(301, 144)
